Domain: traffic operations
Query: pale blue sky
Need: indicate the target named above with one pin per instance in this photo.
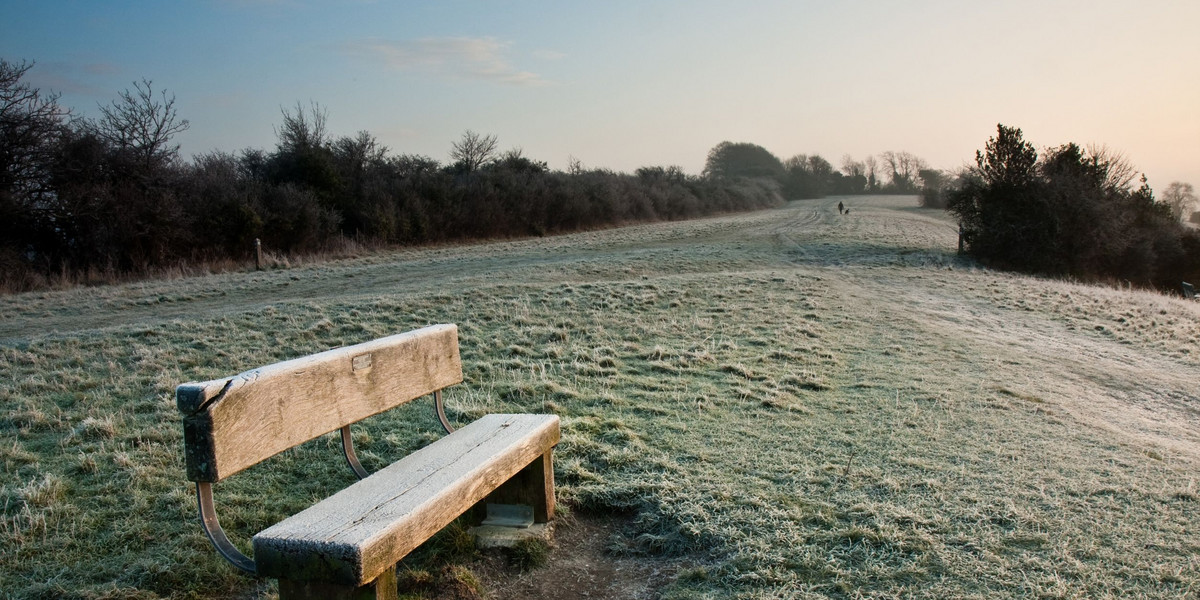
(626, 84)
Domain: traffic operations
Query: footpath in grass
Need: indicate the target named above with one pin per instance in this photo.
(786, 404)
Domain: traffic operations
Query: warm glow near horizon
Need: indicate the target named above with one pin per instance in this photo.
(627, 84)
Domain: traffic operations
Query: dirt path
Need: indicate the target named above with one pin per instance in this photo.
(580, 567)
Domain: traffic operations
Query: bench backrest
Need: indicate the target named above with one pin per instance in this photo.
(232, 424)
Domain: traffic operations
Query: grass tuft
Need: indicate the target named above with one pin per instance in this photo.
(96, 428)
(528, 554)
(45, 492)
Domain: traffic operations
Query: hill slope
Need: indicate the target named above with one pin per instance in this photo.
(790, 403)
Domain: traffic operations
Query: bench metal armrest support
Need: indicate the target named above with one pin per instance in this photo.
(212, 528)
(351, 457)
(208, 513)
(348, 441)
(441, 412)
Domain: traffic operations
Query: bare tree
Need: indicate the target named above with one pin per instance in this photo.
(1181, 197)
(891, 162)
(304, 154)
(1120, 173)
(355, 158)
(855, 175)
(871, 166)
(799, 161)
(852, 168)
(473, 150)
(140, 122)
(29, 122)
(516, 153)
(904, 168)
(360, 151)
(303, 130)
(574, 165)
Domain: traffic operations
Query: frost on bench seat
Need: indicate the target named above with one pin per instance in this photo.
(360, 532)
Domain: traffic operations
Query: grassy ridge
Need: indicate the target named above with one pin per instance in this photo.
(799, 404)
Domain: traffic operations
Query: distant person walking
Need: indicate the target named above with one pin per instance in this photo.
(840, 207)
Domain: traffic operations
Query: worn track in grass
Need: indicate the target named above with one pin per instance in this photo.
(854, 254)
(579, 257)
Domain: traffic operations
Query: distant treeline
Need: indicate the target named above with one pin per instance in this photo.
(105, 198)
(1073, 212)
(811, 176)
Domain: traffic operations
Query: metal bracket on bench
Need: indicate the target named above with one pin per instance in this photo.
(351, 457)
(212, 528)
(441, 412)
(348, 441)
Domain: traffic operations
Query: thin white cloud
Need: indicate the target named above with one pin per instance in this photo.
(101, 69)
(549, 55)
(72, 78)
(461, 57)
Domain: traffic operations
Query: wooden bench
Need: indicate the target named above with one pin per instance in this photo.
(347, 545)
(1189, 291)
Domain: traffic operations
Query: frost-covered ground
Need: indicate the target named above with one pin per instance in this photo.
(787, 403)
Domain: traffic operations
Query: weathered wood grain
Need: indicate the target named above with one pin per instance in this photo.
(231, 424)
(360, 532)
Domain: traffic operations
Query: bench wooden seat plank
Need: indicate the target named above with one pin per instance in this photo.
(360, 532)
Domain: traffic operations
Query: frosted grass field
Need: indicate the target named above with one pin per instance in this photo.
(786, 404)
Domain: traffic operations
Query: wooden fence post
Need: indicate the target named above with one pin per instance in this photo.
(257, 254)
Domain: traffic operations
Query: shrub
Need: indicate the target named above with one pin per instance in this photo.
(113, 198)
(1071, 213)
(729, 160)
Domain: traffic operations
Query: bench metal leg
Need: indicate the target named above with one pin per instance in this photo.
(383, 588)
(216, 535)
